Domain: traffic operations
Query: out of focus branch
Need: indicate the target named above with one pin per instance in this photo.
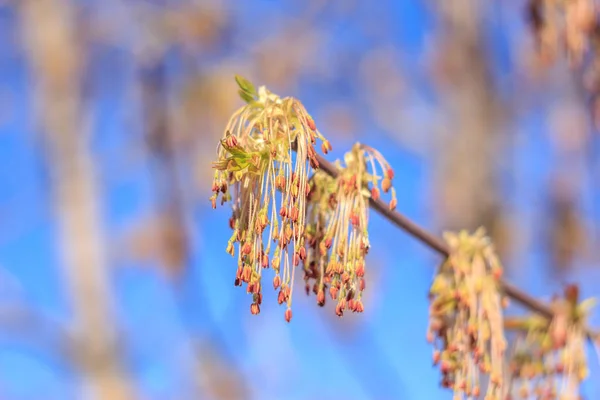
(53, 46)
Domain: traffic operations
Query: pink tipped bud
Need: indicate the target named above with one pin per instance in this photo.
(246, 273)
(360, 269)
(386, 184)
(265, 261)
(333, 292)
(328, 242)
(296, 259)
(213, 202)
(326, 147)
(283, 212)
(393, 204)
(302, 253)
(246, 248)
(254, 309)
(321, 298)
(276, 282)
(288, 315)
(354, 219)
(224, 187)
(293, 213)
(339, 311)
(436, 357)
(215, 187)
(390, 173)
(375, 193)
(311, 123)
(358, 306)
(361, 285)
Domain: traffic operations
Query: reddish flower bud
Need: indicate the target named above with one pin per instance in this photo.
(326, 147)
(246, 248)
(445, 367)
(276, 282)
(358, 306)
(339, 311)
(224, 187)
(254, 309)
(497, 273)
(361, 285)
(265, 261)
(390, 173)
(311, 123)
(232, 223)
(321, 298)
(296, 259)
(345, 277)
(375, 193)
(328, 242)
(238, 282)
(246, 273)
(360, 269)
(354, 219)
(280, 182)
(436, 357)
(393, 204)
(333, 292)
(302, 253)
(386, 184)
(281, 297)
(476, 391)
(215, 187)
(293, 213)
(288, 315)
(213, 202)
(351, 305)
(283, 212)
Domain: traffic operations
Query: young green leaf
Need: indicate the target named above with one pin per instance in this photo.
(245, 85)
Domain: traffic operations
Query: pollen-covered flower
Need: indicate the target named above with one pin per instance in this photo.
(337, 223)
(263, 164)
(466, 322)
(548, 357)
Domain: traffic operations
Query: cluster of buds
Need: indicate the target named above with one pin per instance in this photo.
(548, 357)
(558, 23)
(466, 321)
(256, 161)
(337, 222)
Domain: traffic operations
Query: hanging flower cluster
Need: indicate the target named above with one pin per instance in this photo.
(267, 180)
(337, 222)
(548, 357)
(466, 322)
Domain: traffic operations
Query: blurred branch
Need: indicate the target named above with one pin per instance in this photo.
(54, 48)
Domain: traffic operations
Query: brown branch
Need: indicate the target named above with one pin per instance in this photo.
(437, 244)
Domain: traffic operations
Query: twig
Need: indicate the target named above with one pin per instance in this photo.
(435, 243)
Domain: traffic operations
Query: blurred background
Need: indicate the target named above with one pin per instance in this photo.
(114, 281)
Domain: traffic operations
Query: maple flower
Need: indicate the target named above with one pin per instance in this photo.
(466, 321)
(337, 222)
(548, 359)
(263, 164)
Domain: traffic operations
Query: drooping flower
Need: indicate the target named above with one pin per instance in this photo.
(263, 164)
(548, 357)
(466, 321)
(337, 222)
